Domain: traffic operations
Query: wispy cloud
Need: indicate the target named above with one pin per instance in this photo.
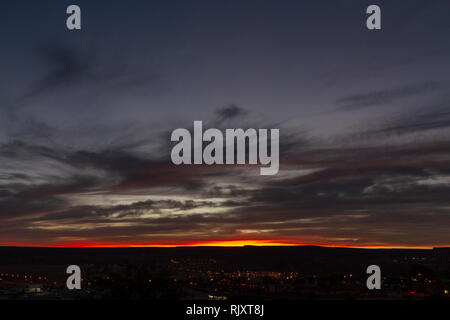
(381, 97)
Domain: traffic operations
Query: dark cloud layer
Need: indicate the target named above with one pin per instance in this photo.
(382, 97)
(372, 199)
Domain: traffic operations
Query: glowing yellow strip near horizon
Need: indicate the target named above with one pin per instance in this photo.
(226, 243)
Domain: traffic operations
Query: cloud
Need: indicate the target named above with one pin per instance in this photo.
(66, 66)
(379, 196)
(424, 121)
(382, 97)
(230, 112)
(72, 67)
(433, 117)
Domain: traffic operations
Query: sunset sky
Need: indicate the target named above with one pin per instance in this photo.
(86, 117)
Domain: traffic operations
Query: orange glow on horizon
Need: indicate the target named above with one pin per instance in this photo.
(225, 243)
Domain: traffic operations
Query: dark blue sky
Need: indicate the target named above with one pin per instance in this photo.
(364, 118)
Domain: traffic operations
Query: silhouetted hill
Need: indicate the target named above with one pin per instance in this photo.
(306, 259)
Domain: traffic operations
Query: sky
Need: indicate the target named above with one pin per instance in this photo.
(86, 117)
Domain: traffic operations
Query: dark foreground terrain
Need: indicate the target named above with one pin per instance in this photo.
(219, 273)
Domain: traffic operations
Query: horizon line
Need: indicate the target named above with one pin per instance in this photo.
(228, 244)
